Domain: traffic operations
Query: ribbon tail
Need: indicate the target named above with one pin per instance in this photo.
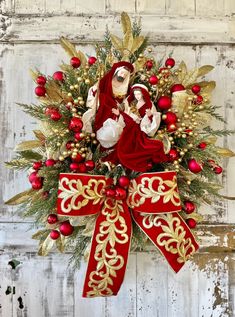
(109, 250)
(170, 234)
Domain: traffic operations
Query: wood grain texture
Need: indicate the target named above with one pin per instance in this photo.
(199, 32)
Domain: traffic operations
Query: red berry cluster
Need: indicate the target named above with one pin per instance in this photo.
(216, 168)
(189, 207)
(40, 90)
(119, 191)
(53, 113)
(35, 180)
(65, 228)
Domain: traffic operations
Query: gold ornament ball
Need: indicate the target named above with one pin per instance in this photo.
(87, 81)
(79, 79)
(61, 158)
(189, 182)
(71, 87)
(69, 94)
(76, 86)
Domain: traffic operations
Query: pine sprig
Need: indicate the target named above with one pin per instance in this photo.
(212, 110)
(36, 111)
(223, 132)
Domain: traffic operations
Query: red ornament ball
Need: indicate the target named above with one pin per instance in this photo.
(169, 118)
(75, 124)
(40, 91)
(78, 158)
(120, 193)
(58, 76)
(191, 223)
(52, 219)
(124, 181)
(90, 165)
(68, 145)
(50, 110)
(92, 60)
(177, 87)
(66, 229)
(199, 99)
(202, 145)
(37, 183)
(33, 176)
(82, 168)
(194, 166)
(54, 234)
(196, 89)
(149, 166)
(50, 162)
(41, 80)
(164, 103)
(75, 62)
(218, 169)
(110, 192)
(74, 166)
(153, 80)
(170, 62)
(189, 207)
(37, 165)
(56, 116)
(79, 136)
(173, 154)
(149, 64)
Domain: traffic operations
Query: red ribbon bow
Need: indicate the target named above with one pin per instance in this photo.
(152, 201)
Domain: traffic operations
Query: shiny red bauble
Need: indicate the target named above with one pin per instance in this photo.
(79, 136)
(173, 154)
(50, 162)
(177, 87)
(153, 80)
(68, 145)
(218, 169)
(75, 62)
(124, 181)
(58, 76)
(149, 166)
(52, 219)
(202, 145)
(37, 165)
(170, 62)
(74, 166)
(90, 165)
(54, 234)
(164, 103)
(55, 116)
(189, 206)
(41, 80)
(196, 89)
(40, 91)
(66, 229)
(92, 60)
(50, 110)
(120, 193)
(110, 192)
(75, 124)
(37, 183)
(78, 158)
(194, 166)
(149, 64)
(199, 99)
(191, 223)
(169, 118)
(33, 176)
(82, 168)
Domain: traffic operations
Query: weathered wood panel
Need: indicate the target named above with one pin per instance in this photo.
(199, 32)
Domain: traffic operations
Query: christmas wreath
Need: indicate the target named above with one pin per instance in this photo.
(124, 154)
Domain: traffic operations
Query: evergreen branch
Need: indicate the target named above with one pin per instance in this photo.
(36, 111)
(212, 111)
(19, 164)
(208, 130)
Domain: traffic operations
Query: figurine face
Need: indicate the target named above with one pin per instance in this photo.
(122, 74)
(138, 94)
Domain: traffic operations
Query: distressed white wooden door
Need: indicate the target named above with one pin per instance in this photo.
(197, 31)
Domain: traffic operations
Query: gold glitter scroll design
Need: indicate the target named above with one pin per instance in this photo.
(71, 189)
(112, 231)
(139, 192)
(173, 236)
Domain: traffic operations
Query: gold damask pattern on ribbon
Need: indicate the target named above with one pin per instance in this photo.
(139, 192)
(71, 189)
(173, 236)
(111, 231)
